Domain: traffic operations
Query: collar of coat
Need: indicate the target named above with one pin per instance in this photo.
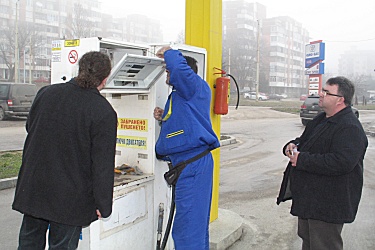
(335, 117)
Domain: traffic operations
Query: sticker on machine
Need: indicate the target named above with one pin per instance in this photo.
(56, 45)
(56, 56)
(73, 56)
(132, 124)
(131, 142)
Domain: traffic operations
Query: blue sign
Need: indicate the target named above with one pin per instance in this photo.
(314, 53)
(317, 69)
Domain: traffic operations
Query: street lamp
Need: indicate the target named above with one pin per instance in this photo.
(258, 61)
(24, 65)
(16, 55)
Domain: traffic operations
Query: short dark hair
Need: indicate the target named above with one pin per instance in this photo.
(192, 63)
(345, 88)
(94, 67)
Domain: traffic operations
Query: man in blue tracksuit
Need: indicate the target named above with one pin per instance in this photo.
(186, 132)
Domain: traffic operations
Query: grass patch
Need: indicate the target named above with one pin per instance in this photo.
(10, 163)
(289, 106)
(286, 105)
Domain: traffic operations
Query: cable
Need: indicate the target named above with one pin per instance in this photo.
(238, 91)
(170, 219)
(358, 41)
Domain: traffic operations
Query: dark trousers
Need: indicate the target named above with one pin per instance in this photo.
(33, 235)
(320, 235)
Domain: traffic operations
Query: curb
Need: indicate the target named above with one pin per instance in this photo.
(8, 183)
(370, 133)
(227, 140)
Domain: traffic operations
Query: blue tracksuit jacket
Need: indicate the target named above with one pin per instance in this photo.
(188, 130)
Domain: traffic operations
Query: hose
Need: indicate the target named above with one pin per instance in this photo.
(238, 91)
(170, 219)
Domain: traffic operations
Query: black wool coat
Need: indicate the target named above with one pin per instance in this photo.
(327, 182)
(67, 167)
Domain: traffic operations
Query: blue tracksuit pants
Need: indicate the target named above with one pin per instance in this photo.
(193, 204)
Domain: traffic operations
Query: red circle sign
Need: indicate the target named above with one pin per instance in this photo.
(73, 57)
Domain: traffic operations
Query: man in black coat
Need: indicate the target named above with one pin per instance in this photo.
(67, 172)
(324, 177)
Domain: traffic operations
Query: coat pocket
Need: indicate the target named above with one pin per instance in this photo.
(175, 139)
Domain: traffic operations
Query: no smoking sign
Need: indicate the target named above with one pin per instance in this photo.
(73, 57)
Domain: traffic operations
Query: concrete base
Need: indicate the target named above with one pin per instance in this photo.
(8, 183)
(226, 230)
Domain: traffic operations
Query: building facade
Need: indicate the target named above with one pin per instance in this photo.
(356, 62)
(30, 26)
(281, 48)
(284, 41)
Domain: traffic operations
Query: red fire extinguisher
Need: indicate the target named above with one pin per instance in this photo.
(222, 93)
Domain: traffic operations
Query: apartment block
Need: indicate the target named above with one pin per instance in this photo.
(284, 45)
(281, 48)
(38, 22)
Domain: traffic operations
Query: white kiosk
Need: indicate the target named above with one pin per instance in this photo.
(134, 88)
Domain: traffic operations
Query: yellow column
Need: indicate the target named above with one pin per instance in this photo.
(203, 28)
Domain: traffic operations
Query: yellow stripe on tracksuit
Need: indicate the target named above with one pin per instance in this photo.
(175, 133)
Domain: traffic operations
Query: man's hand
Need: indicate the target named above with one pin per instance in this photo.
(292, 153)
(98, 214)
(290, 148)
(158, 113)
(293, 158)
(161, 51)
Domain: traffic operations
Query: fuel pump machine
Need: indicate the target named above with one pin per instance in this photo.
(141, 199)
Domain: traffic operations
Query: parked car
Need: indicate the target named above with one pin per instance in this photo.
(284, 96)
(16, 99)
(302, 97)
(275, 97)
(253, 96)
(310, 108)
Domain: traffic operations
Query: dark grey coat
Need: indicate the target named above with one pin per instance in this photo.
(327, 182)
(67, 168)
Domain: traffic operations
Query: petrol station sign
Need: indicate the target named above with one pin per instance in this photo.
(314, 56)
(314, 52)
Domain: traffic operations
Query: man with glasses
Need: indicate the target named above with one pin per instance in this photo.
(324, 177)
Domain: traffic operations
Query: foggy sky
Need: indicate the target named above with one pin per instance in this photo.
(342, 25)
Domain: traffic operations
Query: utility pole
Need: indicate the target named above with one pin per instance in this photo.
(229, 61)
(30, 60)
(16, 55)
(258, 56)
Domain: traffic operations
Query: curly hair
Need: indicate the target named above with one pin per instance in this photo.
(94, 67)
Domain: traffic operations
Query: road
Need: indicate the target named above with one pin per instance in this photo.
(12, 134)
(251, 172)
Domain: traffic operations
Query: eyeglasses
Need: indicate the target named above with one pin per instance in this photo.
(326, 92)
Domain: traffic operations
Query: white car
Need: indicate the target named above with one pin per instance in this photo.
(252, 96)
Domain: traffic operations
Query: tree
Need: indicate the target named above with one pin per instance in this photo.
(26, 34)
(239, 56)
(80, 26)
(181, 37)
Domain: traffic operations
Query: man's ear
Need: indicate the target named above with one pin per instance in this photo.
(102, 84)
(341, 101)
